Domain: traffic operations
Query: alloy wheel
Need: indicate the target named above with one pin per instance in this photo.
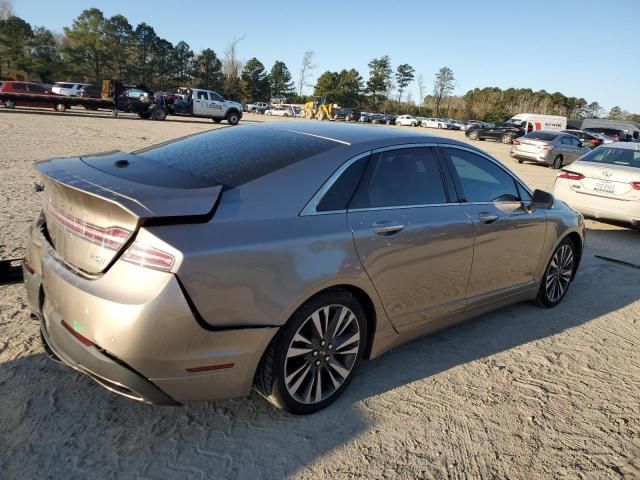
(559, 273)
(322, 354)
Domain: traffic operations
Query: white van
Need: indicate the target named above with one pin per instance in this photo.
(533, 121)
(70, 89)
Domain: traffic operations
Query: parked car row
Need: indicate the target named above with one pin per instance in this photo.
(284, 111)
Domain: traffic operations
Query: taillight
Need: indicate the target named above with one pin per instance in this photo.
(570, 175)
(515, 142)
(547, 147)
(110, 237)
(148, 256)
(595, 141)
(635, 185)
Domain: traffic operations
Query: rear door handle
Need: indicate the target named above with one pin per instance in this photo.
(487, 217)
(386, 227)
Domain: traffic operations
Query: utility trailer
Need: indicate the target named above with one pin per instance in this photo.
(119, 97)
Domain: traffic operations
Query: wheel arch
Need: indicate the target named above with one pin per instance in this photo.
(579, 244)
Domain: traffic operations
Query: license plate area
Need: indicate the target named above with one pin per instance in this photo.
(604, 187)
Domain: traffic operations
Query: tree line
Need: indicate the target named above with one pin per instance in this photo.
(95, 47)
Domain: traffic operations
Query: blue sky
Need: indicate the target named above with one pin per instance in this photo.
(580, 48)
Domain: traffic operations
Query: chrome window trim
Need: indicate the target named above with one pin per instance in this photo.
(310, 207)
(491, 159)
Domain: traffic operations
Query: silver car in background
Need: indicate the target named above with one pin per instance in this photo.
(605, 183)
(278, 256)
(552, 148)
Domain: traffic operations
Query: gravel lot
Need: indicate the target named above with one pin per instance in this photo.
(519, 393)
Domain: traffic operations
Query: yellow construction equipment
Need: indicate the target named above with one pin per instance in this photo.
(318, 108)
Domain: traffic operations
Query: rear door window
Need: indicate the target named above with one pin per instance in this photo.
(20, 86)
(482, 180)
(400, 178)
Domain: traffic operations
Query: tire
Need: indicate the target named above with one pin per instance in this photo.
(558, 275)
(158, 114)
(557, 163)
(9, 104)
(506, 139)
(321, 115)
(233, 118)
(308, 115)
(285, 114)
(288, 376)
(520, 160)
(61, 107)
(267, 113)
(413, 124)
(473, 135)
(216, 120)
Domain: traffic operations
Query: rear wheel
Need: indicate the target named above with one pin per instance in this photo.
(308, 115)
(61, 107)
(311, 360)
(233, 118)
(158, 114)
(557, 163)
(9, 104)
(520, 160)
(472, 135)
(321, 115)
(506, 139)
(558, 275)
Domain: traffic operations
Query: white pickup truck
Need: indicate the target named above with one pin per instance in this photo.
(196, 102)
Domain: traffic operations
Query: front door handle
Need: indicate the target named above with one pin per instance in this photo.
(386, 227)
(487, 217)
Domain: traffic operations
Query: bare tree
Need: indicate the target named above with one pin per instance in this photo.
(306, 66)
(6, 9)
(442, 86)
(420, 81)
(231, 67)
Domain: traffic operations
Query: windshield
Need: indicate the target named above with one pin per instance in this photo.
(614, 156)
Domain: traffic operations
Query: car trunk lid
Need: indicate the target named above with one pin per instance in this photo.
(606, 180)
(92, 214)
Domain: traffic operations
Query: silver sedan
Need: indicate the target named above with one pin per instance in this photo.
(549, 147)
(279, 256)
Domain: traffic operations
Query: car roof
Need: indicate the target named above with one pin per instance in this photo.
(623, 145)
(352, 134)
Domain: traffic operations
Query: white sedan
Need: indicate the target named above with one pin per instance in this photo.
(283, 111)
(407, 121)
(604, 183)
(430, 122)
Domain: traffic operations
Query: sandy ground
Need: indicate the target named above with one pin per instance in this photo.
(519, 393)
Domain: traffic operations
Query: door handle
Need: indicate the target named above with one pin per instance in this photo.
(386, 227)
(487, 217)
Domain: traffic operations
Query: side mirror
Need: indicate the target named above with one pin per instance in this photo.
(542, 199)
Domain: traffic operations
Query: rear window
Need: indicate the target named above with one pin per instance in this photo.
(606, 131)
(546, 136)
(233, 156)
(614, 156)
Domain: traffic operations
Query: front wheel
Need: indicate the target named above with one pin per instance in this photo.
(558, 275)
(233, 118)
(61, 107)
(472, 135)
(506, 139)
(9, 104)
(311, 361)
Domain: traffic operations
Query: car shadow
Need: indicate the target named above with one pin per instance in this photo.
(56, 422)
